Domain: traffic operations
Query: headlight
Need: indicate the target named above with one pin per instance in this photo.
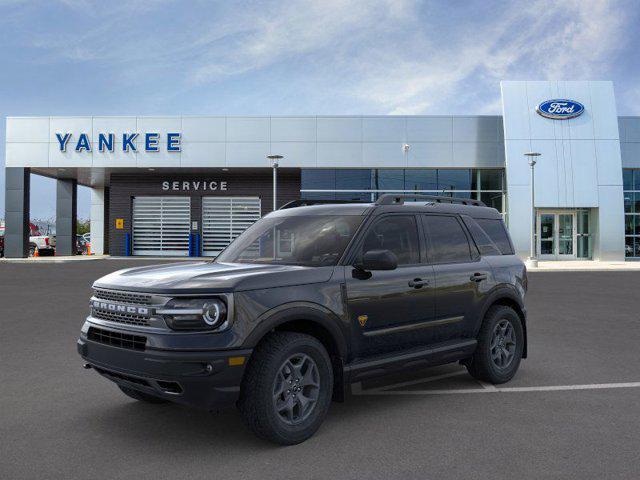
(194, 314)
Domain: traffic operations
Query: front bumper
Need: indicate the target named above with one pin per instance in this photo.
(203, 379)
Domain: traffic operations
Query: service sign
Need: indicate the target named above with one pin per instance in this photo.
(149, 141)
(194, 185)
(560, 109)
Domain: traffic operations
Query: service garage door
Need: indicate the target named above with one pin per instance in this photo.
(224, 218)
(161, 225)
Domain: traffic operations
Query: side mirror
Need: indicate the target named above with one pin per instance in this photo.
(379, 260)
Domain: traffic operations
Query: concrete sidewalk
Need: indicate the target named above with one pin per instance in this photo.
(543, 266)
(54, 259)
(584, 266)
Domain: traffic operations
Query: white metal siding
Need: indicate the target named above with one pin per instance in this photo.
(224, 218)
(161, 225)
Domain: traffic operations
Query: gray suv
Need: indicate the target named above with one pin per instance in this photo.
(310, 299)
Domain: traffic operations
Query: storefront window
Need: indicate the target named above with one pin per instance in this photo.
(387, 179)
(353, 179)
(631, 181)
(454, 179)
(490, 179)
(320, 179)
(366, 185)
(420, 180)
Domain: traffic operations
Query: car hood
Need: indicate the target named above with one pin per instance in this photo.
(203, 277)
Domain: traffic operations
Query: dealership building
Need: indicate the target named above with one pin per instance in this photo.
(188, 185)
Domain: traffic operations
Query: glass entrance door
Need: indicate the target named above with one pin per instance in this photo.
(547, 242)
(556, 235)
(566, 234)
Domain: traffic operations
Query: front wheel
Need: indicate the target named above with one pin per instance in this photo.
(500, 346)
(287, 388)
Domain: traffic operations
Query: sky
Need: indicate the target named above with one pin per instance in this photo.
(147, 57)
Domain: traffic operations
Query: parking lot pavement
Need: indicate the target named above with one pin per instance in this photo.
(60, 421)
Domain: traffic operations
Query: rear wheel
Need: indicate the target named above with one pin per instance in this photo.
(141, 396)
(500, 346)
(287, 388)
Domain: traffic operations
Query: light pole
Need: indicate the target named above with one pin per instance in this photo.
(532, 260)
(274, 162)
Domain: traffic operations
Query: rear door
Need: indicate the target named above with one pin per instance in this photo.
(390, 310)
(462, 277)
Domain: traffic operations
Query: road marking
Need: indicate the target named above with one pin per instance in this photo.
(546, 388)
(486, 386)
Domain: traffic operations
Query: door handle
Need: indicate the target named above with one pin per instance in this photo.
(478, 277)
(418, 283)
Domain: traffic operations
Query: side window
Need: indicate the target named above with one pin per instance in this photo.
(498, 233)
(397, 233)
(484, 243)
(447, 241)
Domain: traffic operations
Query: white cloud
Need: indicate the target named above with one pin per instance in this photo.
(391, 56)
(538, 40)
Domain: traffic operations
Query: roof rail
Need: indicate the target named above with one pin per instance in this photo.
(306, 203)
(394, 199)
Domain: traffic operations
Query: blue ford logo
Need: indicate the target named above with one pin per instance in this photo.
(560, 109)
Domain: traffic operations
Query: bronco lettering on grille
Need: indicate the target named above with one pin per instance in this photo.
(117, 308)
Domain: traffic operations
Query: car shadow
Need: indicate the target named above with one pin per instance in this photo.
(179, 427)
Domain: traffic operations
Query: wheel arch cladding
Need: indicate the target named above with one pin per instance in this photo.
(508, 300)
(314, 322)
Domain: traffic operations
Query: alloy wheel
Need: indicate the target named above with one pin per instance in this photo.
(503, 344)
(296, 389)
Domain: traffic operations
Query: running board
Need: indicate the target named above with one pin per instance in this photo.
(383, 364)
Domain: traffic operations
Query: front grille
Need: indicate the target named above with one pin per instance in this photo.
(126, 318)
(117, 339)
(122, 297)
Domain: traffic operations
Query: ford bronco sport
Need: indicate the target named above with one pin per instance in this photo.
(310, 299)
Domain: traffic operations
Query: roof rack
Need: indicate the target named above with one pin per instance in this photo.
(394, 199)
(307, 203)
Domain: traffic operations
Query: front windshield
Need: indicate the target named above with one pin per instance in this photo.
(307, 240)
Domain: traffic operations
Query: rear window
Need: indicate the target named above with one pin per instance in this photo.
(496, 231)
(484, 243)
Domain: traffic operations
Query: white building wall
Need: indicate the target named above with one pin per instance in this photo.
(580, 164)
(305, 141)
(97, 221)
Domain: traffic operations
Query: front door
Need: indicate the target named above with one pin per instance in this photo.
(556, 235)
(390, 310)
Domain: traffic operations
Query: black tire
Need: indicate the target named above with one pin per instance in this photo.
(266, 376)
(492, 364)
(32, 249)
(141, 396)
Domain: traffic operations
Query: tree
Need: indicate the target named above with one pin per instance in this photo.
(84, 226)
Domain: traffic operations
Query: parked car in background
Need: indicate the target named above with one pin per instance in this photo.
(45, 243)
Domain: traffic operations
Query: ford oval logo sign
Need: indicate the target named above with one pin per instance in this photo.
(560, 109)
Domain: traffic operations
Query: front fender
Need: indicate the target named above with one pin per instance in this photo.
(308, 311)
